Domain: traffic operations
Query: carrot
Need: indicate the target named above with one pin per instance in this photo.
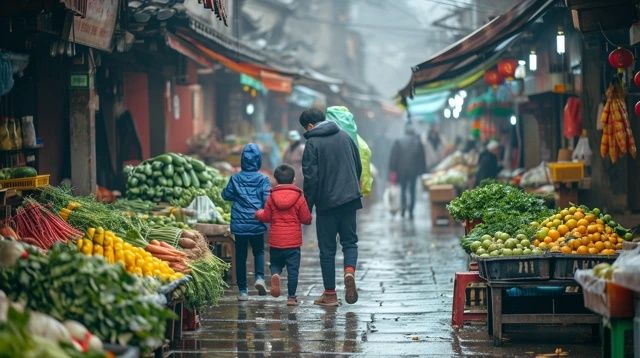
(154, 242)
(168, 258)
(155, 249)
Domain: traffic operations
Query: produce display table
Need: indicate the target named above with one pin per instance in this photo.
(497, 318)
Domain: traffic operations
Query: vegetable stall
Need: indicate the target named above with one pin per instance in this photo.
(526, 252)
(120, 270)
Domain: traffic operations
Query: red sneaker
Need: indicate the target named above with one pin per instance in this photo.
(351, 292)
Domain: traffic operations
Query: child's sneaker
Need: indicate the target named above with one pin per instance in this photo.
(327, 299)
(243, 296)
(275, 285)
(292, 301)
(351, 292)
(261, 287)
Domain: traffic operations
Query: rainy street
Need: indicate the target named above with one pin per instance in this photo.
(405, 277)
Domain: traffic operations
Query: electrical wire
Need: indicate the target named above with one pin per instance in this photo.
(463, 6)
(607, 38)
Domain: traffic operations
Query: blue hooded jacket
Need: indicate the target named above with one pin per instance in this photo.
(249, 191)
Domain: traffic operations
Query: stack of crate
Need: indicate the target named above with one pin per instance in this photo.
(439, 197)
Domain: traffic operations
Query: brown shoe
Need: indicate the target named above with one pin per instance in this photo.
(351, 292)
(275, 285)
(292, 301)
(327, 300)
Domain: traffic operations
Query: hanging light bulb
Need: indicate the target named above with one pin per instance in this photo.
(513, 120)
(533, 61)
(560, 48)
(447, 113)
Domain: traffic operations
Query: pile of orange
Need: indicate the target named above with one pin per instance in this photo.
(576, 231)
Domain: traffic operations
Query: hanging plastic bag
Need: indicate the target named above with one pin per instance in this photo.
(572, 118)
(391, 198)
(583, 150)
(366, 179)
(205, 211)
(28, 132)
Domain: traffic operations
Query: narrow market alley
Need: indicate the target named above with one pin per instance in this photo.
(405, 277)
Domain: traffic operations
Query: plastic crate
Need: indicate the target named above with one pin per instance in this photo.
(566, 171)
(606, 298)
(515, 268)
(566, 265)
(25, 183)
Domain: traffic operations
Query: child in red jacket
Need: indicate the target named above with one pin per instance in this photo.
(286, 209)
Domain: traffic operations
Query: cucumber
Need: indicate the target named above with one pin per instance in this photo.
(186, 180)
(148, 170)
(207, 184)
(150, 182)
(177, 191)
(157, 165)
(164, 158)
(170, 182)
(194, 179)
(198, 165)
(24, 172)
(157, 174)
(168, 170)
(178, 160)
(162, 181)
(203, 176)
(151, 193)
(133, 182)
(178, 170)
(188, 166)
(133, 191)
(177, 180)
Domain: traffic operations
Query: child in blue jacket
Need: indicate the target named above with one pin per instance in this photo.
(249, 191)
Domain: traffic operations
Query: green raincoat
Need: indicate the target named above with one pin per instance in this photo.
(344, 119)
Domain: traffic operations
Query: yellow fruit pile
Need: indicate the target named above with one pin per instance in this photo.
(98, 242)
(574, 231)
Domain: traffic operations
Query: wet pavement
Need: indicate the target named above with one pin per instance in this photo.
(405, 281)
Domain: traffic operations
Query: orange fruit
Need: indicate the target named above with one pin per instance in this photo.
(592, 229)
(543, 246)
(620, 240)
(593, 251)
(599, 221)
(607, 244)
(596, 236)
(576, 234)
(555, 248)
(563, 229)
(572, 223)
(554, 234)
(575, 243)
(590, 218)
(579, 214)
(608, 229)
(591, 244)
(618, 246)
(583, 222)
(585, 240)
(564, 212)
(549, 225)
(561, 239)
(548, 240)
(582, 250)
(536, 242)
(613, 240)
(608, 252)
(599, 245)
(567, 217)
(582, 229)
(566, 249)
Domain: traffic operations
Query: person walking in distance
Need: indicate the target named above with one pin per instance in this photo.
(332, 168)
(406, 163)
(293, 155)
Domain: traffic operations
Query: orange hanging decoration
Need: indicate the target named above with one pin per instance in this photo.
(507, 68)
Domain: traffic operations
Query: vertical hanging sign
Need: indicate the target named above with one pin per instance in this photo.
(96, 29)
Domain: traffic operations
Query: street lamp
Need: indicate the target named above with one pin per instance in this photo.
(533, 61)
(560, 48)
(513, 120)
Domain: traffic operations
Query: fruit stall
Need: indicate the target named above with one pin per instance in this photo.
(524, 256)
(84, 278)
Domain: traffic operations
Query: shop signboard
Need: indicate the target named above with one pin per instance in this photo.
(205, 22)
(96, 29)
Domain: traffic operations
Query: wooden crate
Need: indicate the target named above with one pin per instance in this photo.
(439, 213)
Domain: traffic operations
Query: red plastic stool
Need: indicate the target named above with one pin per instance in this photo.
(460, 283)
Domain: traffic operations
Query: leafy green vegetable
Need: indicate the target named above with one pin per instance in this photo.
(114, 305)
(206, 285)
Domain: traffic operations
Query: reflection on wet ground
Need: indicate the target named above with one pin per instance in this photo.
(405, 276)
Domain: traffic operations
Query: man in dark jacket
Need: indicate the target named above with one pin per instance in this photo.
(407, 162)
(488, 167)
(332, 168)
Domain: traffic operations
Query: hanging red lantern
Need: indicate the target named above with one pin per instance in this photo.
(636, 79)
(507, 68)
(636, 108)
(493, 78)
(620, 58)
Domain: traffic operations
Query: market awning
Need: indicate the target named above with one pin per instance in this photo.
(272, 80)
(187, 50)
(474, 49)
(425, 107)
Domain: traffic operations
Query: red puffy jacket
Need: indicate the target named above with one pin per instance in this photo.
(286, 209)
